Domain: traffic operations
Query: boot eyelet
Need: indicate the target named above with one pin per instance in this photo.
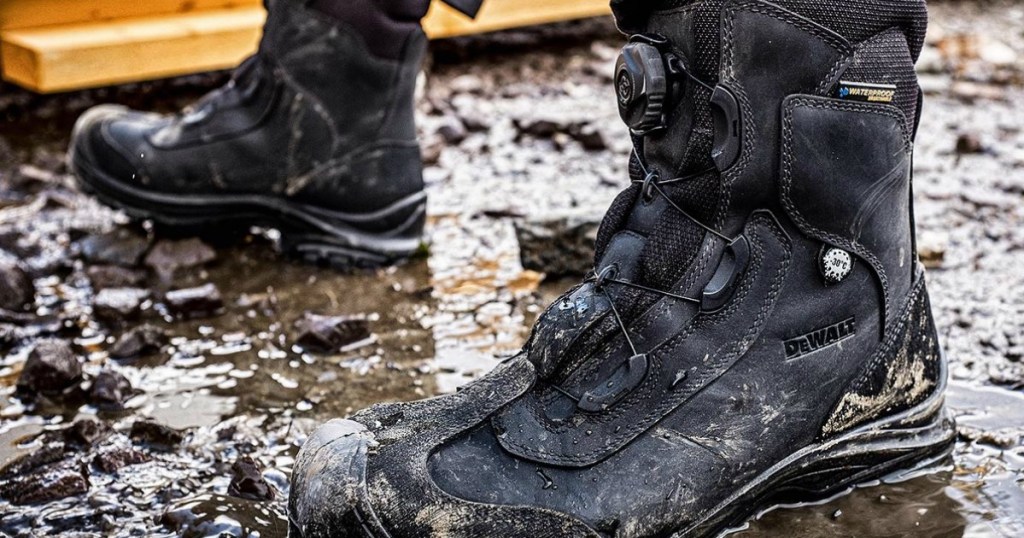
(608, 273)
(647, 187)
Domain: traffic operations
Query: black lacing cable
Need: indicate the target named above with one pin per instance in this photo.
(608, 274)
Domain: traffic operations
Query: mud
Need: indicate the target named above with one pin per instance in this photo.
(196, 389)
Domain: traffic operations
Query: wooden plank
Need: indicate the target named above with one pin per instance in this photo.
(443, 21)
(68, 56)
(59, 58)
(38, 13)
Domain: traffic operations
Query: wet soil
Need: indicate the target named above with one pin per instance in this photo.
(200, 366)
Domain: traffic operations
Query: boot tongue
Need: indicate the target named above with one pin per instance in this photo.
(651, 243)
(682, 148)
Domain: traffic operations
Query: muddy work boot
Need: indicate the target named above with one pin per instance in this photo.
(756, 329)
(313, 136)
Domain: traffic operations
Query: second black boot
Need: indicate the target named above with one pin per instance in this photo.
(756, 329)
(314, 136)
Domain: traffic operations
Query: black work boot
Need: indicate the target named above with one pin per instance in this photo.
(313, 135)
(756, 329)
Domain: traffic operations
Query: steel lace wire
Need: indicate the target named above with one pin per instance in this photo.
(608, 274)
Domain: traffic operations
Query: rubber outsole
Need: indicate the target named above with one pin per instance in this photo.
(311, 234)
(915, 440)
(912, 441)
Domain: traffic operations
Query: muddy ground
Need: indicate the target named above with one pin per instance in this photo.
(204, 363)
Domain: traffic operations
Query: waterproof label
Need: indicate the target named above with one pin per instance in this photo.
(864, 91)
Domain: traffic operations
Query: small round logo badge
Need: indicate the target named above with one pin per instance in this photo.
(835, 263)
(624, 87)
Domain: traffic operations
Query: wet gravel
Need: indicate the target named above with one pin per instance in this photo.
(167, 382)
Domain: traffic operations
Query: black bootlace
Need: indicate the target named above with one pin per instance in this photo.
(650, 185)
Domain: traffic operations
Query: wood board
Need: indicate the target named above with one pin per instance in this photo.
(59, 45)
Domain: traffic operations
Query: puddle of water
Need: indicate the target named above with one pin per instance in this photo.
(238, 386)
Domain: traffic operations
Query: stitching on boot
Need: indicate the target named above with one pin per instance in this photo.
(786, 180)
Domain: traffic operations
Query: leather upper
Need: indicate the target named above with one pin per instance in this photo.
(313, 117)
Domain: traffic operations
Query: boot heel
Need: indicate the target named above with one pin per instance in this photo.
(895, 448)
(330, 239)
(325, 251)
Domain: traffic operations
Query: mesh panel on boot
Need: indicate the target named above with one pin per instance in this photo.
(668, 252)
(888, 34)
(614, 219)
(671, 248)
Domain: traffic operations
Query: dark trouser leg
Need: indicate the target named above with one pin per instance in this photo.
(386, 24)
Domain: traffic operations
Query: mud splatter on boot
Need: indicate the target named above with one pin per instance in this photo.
(770, 211)
(313, 136)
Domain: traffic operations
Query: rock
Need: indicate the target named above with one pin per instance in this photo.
(467, 83)
(51, 367)
(110, 390)
(157, 435)
(931, 61)
(330, 333)
(119, 304)
(558, 245)
(973, 91)
(540, 127)
(431, 150)
(452, 130)
(968, 144)
(112, 459)
(997, 53)
(474, 121)
(32, 179)
(48, 484)
(1003, 438)
(591, 138)
(86, 432)
(16, 289)
(931, 248)
(111, 276)
(48, 454)
(119, 247)
(247, 481)
(139, 341)
(167, 257)
(194, 302)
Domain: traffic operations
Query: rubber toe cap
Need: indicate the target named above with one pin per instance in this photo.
(110, 140)
(328, 492)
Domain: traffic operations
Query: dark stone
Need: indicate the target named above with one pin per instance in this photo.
(167, 256)
(16, 289)
(48, 484)
(247, 481)
(111, 276)
(110, 390)
(969, 144)
(118, 247)
(86, 432)
(330, 333)
(193, 302)
(452, 130)
(49, 453)
(139, 341)
(112, 459)
(558, 245)
(591, 138)
(14, 242)
(119, 304)
(474, 120)
(51, 367)
(157, 435)
(541, 127)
